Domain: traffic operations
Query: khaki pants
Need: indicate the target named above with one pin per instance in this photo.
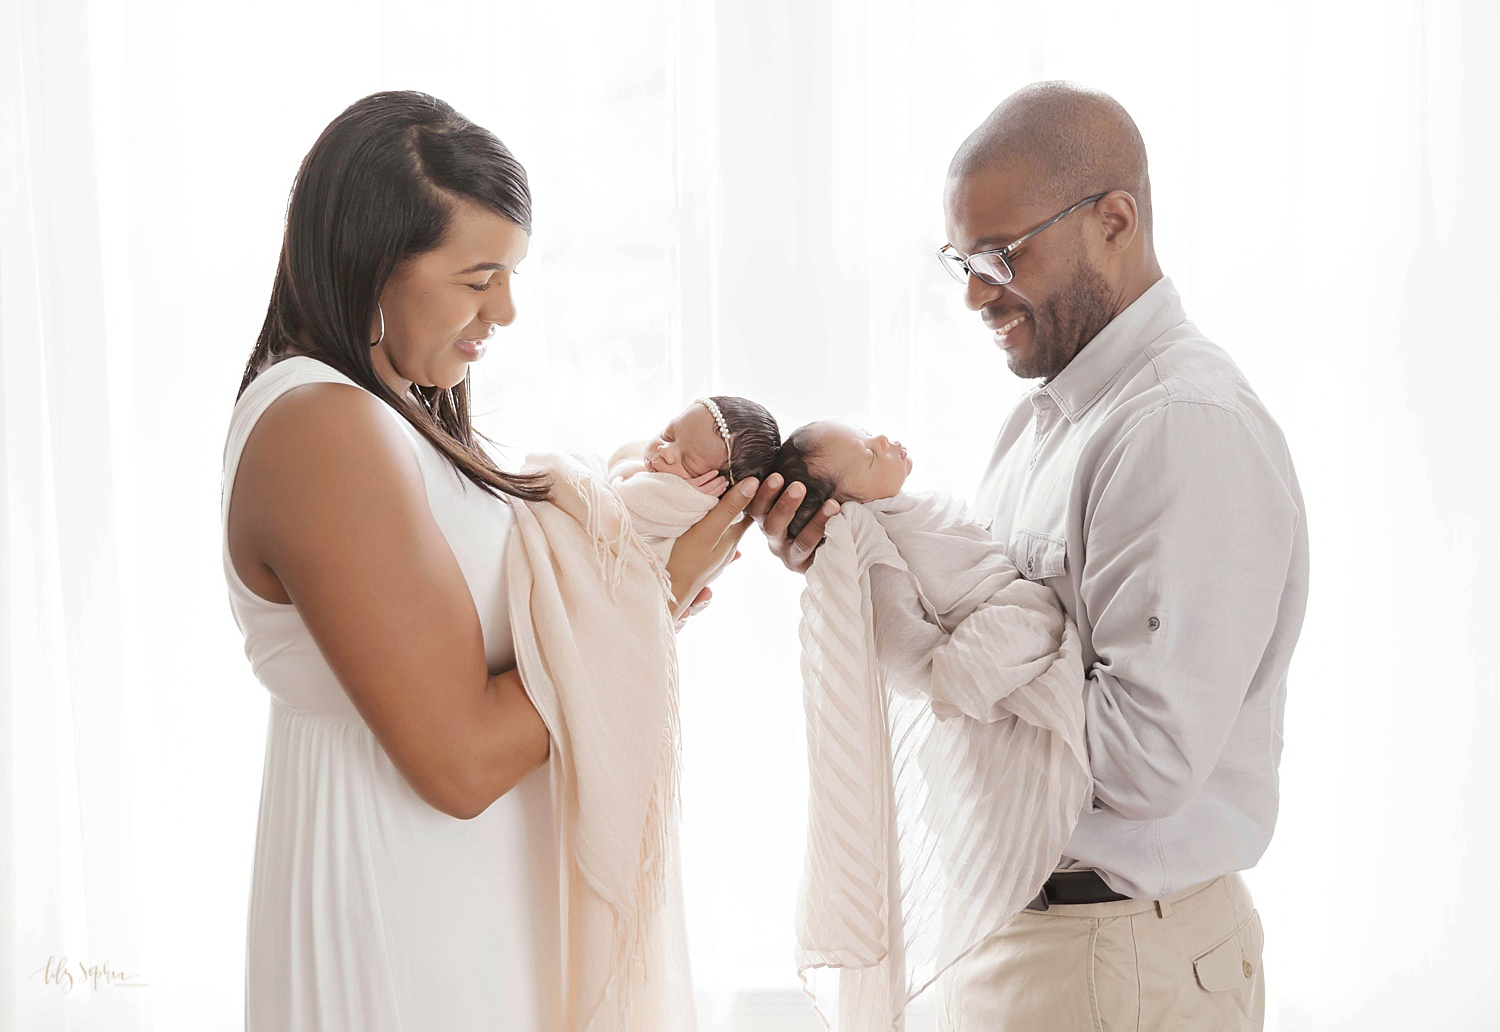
(1190, 963)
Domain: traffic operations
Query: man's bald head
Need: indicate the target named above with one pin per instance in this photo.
(1038, 154)
(1071, 141)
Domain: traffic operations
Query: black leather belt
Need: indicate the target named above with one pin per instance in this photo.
(1070, 887)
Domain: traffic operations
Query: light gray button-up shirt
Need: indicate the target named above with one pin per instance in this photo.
(1148, 486)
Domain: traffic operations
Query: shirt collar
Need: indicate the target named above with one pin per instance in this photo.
(1099, 362)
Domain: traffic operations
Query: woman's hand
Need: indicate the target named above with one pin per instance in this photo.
(701, 553)
(774, 508)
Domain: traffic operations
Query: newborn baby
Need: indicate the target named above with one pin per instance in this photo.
(946, 759)
(669, 482)
(840, 461)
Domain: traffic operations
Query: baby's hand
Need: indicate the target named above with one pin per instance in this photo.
(710, 483)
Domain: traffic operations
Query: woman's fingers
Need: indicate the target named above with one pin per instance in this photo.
(721, 518)
(700, 603)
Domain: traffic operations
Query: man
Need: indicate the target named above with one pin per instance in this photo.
(1145, 483)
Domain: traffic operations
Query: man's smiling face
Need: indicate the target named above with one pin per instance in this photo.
(1058, 301)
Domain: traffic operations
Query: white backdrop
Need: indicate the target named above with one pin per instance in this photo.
(741, 196)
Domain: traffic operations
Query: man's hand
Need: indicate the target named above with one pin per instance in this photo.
(774, 508)
(708, 546)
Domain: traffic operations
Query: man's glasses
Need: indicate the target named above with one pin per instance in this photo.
(993, 267)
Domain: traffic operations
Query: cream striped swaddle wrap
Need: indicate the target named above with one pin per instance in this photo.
(947, 762)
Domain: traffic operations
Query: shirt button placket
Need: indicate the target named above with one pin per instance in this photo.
(1042, 402)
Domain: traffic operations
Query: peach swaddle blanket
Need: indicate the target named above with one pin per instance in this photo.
(595, 649)
(661, 506)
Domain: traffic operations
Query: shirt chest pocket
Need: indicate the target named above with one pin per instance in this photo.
(1038, 556)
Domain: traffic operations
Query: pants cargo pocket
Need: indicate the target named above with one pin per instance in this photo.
(1235, 962)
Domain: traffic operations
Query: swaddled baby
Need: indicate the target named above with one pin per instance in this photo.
(947, 765)
(669, 482)
(587, 594)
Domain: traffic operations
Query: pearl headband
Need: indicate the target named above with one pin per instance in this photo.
(713, 410)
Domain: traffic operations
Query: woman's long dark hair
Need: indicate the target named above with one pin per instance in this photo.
(376, 189)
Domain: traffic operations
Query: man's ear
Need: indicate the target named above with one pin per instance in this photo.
(1119, 218)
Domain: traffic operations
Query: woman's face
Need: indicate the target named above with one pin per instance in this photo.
(863, 467)
(441, 306)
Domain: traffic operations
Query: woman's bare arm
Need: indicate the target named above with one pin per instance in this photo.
(707, 547)
(334, 505)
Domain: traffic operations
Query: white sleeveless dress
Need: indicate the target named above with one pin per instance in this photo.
(370, 911)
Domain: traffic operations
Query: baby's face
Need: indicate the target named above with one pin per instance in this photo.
(863, 467)
(689, 447)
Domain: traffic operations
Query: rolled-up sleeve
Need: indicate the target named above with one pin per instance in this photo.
(1190, 528)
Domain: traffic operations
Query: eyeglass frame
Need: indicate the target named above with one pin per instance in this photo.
(948, 253)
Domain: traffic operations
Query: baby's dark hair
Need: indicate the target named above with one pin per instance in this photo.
(794, 462)
(754, 434)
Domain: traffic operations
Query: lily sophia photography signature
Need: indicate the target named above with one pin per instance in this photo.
(68, 976)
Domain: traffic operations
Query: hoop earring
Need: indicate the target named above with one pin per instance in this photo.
(381, 313)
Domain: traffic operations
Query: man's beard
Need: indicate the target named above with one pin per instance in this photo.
(1064, 323)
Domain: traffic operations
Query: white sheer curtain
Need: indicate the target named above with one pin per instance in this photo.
(739, 197)
(71, 914)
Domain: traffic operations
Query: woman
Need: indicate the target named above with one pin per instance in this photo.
(406, 869)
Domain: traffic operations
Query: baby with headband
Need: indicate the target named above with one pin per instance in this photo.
(669, 482)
